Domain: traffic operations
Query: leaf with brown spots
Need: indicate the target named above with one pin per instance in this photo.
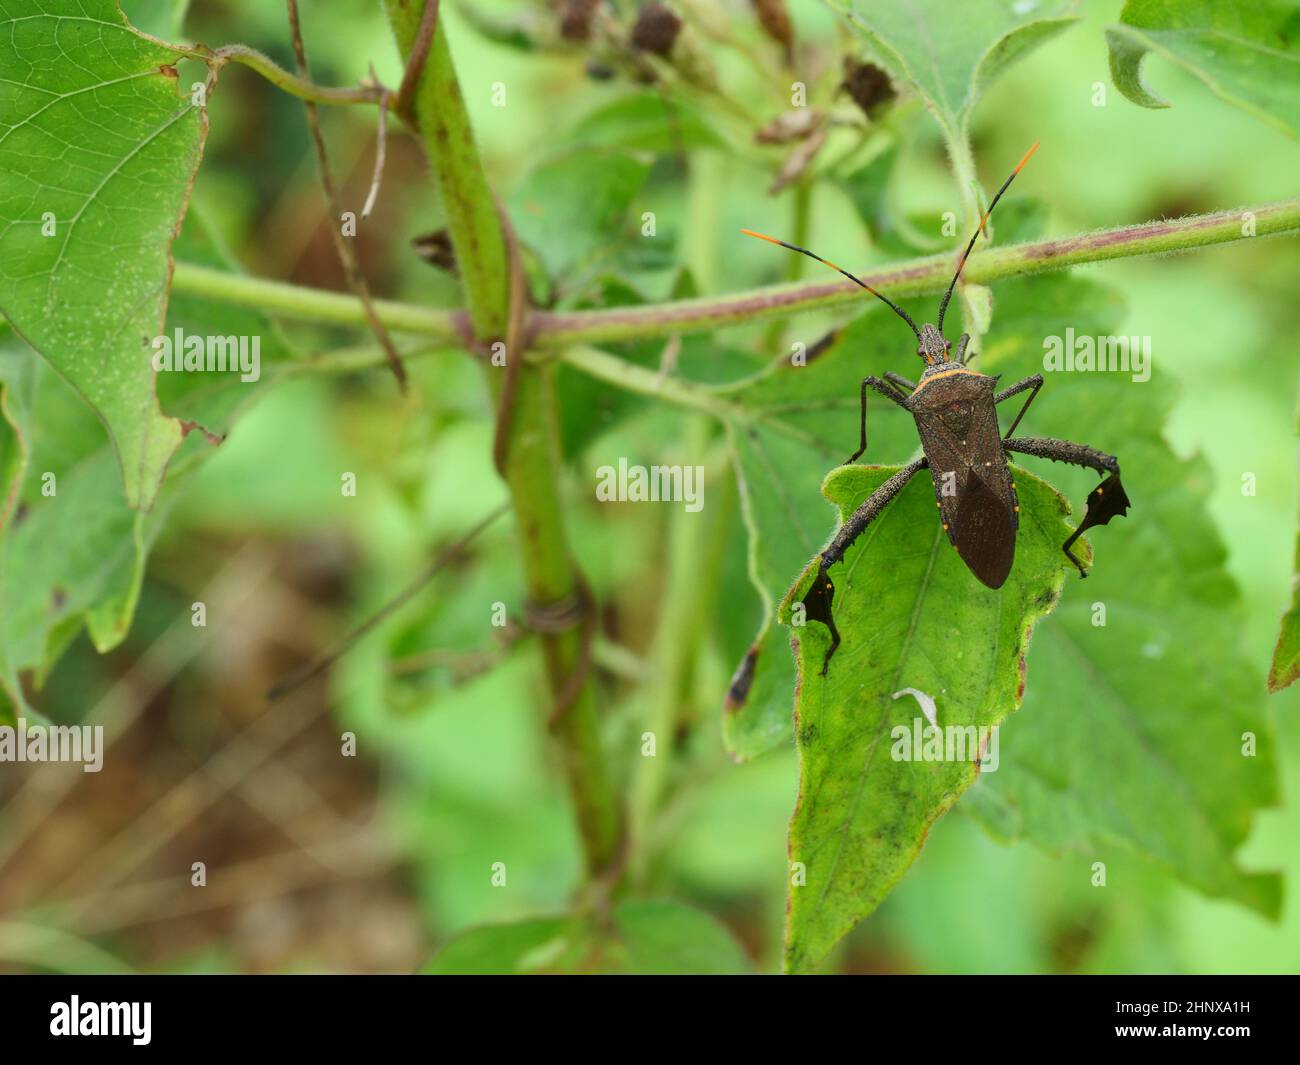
(911, 616)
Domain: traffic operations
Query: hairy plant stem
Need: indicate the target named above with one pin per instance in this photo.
(915, 277)
(312, 304)
(533, 458)
(972, 196)
(687, 584)
(966, 177)
(630, 377)
(796, 265)
(301, 87)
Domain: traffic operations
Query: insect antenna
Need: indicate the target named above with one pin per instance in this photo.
(943, 307)
(826, 262)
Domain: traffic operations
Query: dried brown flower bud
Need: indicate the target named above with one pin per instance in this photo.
(790, 125)
(656, 29)
(869, 86)
(436, 250)
(775, 20)
(798, 161)
(575, 19)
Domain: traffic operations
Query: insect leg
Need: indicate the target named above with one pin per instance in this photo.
(899, 379)
(1045, 447)
(961, 355)
(885, 390)
(817, 602)
(1108, 500)
(1035, 382)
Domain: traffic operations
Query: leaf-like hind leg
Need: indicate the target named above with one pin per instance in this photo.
(1108, 500)
(819, 600)
(885, 390)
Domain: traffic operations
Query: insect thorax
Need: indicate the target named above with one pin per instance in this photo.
(946, 380)
(955, 398)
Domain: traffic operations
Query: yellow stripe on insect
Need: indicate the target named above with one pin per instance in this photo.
(946, 373)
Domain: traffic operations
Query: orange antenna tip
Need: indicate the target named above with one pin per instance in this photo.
(982, 228)
(762, 236)
(1019, 166)
(1026, 158)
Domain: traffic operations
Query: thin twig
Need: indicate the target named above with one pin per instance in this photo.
(185, 802)
(314, 668)
(381, 144)
(103, 910)
(356, 281)
(282, 79)
(118, 710)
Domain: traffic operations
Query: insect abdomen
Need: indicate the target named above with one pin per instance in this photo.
(957, 423)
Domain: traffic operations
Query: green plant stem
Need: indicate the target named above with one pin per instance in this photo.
(972, 196)
(678, 631)
(283, 79)
(966, 177)
(795, 267)
(312, 304)
(534, 457)
(467, 198)
(915, 277)
(633, 378)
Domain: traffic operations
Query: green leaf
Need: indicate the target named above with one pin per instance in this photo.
(158, 18)
(97, 154)
(867, 187)
(74, 549)
(1131, 735)
(16, 382)
(578, 209)
(911, 616)
(792, 425)
(589, 408)
(524, 32)
(951, 54)
(1175, 614)
(646, 121)
(1286, 656)
(1247, 54)
(213, 399)
(646, 937)
(552, 945)
(778, 471)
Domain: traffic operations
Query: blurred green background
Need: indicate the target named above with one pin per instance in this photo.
(455, 771)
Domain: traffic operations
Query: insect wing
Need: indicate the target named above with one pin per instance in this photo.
(958, 427)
